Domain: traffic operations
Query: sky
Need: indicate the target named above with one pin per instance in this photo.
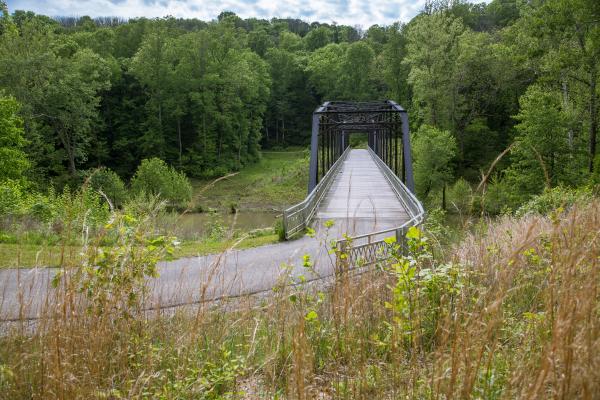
(345, 12)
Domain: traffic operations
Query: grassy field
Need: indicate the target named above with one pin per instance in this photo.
(279, 179)
(32, 255)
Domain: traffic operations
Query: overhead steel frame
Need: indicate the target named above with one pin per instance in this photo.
(385, 123)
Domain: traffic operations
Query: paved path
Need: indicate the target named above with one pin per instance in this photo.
(360, 200)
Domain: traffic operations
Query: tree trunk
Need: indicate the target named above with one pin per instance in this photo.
(283, 130)
(239, 154)
(566, 107)
(66, 142)
(267, 130)
(204, 136)
(593, 117)
(179, 138)
(444, 197)
(72, 169)
(159, 113)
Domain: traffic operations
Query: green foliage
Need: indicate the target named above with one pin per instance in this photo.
(343, 71)
(395, 72)
(419, 289)
(460, 197)
(112, 278)
(432, 48)
(434, 151)
(323, 69)
(558, 198)
(595, 178)
(13, 160)
(79, 212)
(497, 198)
(434, 224)
(357, 70)
(219, 376)
(544, 155)
(107, 181)
(18, 200)
(317, 38)
(279, 230)
(155, 177)
(11, 198)
(216, 231)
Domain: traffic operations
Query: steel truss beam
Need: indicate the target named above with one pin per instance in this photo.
(385, 123)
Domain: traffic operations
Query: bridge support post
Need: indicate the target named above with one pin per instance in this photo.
(314, 154)
(410, 180)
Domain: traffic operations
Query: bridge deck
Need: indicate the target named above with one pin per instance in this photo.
(360, 199)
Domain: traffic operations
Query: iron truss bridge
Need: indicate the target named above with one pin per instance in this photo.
(368, 193)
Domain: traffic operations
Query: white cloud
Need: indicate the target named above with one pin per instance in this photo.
(346, 12)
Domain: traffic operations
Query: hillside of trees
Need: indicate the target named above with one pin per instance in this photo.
(206, 96)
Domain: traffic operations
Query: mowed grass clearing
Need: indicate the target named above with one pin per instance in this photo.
(36, 255)
(278, 180)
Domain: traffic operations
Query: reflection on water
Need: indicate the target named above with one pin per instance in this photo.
(193, 226)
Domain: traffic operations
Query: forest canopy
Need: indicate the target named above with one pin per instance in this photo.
(206, 96)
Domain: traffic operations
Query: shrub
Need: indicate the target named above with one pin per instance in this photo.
(17, 200)
(110, 184)
(279, 229)
(461, 196)
(553, 199)
(595, 178)
(216, 231)
(13, 160)
(81, 210)
(155, 177)
(43, 208)
(433, 151)
(12, 198)
(497, 198)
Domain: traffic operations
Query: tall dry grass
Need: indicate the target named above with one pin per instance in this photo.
(510, 313)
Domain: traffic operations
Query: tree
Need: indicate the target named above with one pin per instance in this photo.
(543, 156)
(283, 67)
(357, 70)
(571, 29)
(153, 176)
(151, 67)
(318, 37)
(106, 180)
(433, 150)
(290, 41)
(395, 72)
(58, 85)
(432, 50)
(74, 101)
(324, 70)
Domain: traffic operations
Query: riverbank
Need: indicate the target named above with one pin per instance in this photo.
(278, 180)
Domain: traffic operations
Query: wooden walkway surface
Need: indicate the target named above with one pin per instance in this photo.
(360, 199)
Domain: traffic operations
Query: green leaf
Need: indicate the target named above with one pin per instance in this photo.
(311, 316)
(390, 240)
(414, 233)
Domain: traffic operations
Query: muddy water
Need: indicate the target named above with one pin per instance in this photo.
(196, 225)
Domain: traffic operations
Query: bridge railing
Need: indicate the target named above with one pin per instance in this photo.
(371, 247)
(297, 217)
